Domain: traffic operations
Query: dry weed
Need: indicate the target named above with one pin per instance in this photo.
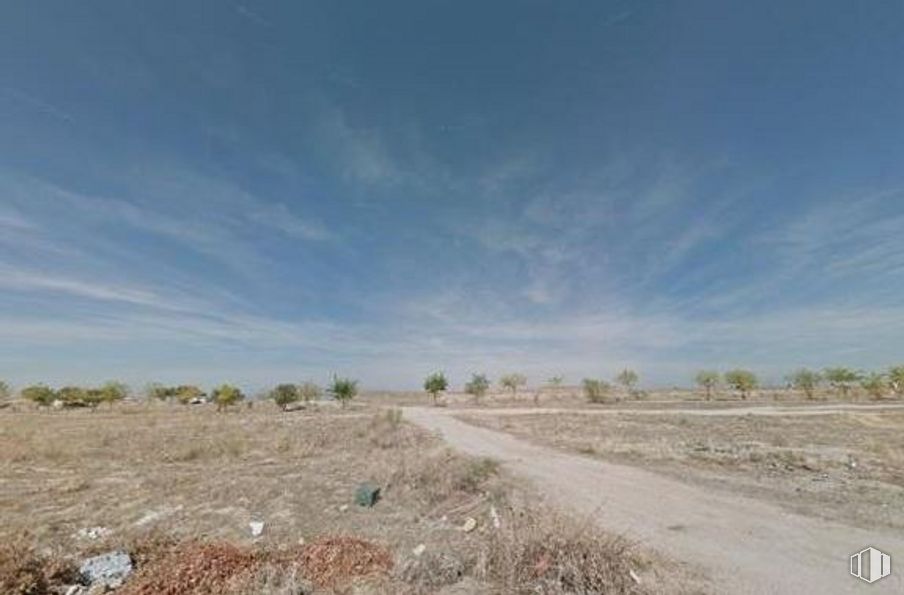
(542, 552)
(25, 572)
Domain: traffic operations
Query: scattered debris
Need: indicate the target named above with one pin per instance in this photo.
(343, 508)
(419, 550)
(109, 569)
(469, 525)
(257, 527)
(497, 523)
(301, 541)
(634, 576)
(92, 532)
(367, 495)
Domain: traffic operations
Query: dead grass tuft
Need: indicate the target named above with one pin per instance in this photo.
(25, 572)
(387, 430)
(538, 552)
(444, 475)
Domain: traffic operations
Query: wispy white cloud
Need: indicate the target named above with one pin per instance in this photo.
(11, 278)
(13, 220)
(279, 217)
(38, 104)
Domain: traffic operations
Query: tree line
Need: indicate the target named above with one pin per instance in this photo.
(223, 396)
(841, 380)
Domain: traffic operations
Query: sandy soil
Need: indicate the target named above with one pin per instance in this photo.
(189, 473)
(836, 462)
(745, 545)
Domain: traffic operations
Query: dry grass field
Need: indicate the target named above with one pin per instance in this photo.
(178, 486)
(847, 466)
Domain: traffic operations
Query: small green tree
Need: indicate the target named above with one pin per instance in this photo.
(896, 380)
(708, 380)
(39, 394)
(478, 386)
(628, 379)
(806, 381)
(595, 390)
(556, 382)
(5, 391)
(114, 392)
(155, 391)
(186, 393)
(284, 395)
(73, 396)
(226, 395)
(513, 382)
(436, 383)
(842, 379)
(742, 381)
(309, 391)
(875, 385)
(93, 397)
(343, 390)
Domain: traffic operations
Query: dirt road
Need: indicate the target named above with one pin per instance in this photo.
(743, 545)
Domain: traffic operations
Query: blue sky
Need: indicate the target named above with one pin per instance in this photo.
(261, 191)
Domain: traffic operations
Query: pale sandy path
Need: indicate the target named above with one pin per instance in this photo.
(745, 546)
(752, 410)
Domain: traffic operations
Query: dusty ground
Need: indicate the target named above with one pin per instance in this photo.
(186, 475)
(745, 543)
(845, 466)
(571, 397)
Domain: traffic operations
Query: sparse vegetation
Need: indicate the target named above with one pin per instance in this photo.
(155, 391)
(742, 381)
(435, 384)
(627, 379)
(556, 382)
(187, 393)
(284, 395)
(308, 391)
(542, 552)
(842, 379)
(39, 394)
(595, 390)
(896, 380)
(513, 382)
(113, 392)
(5, 391)
(478, 386)
(708, 380)
(875, 385)
(344, 390)
(806, 381)
(226, 396)
(72, 396)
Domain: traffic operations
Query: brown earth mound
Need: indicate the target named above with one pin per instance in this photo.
(211, 568)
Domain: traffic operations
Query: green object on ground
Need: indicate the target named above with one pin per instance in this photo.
(367, 495)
